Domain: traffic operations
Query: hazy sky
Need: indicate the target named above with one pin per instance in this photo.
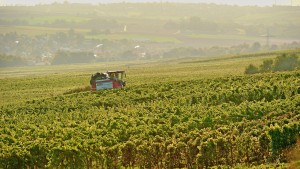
(230, 2)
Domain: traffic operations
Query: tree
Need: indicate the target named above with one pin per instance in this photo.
(65, 57)
(255, 47)
(267, 66)
(285, 62)
(11, 61)
(251, 69)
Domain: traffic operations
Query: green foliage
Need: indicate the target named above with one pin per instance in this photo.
(78, 90)
(129, 154)
(200, 123)
(183, 52)
(11, 61)
(267, 66)
(64, 57)
(42, 30)
(282, 63)
(285, 62)
(251, 69)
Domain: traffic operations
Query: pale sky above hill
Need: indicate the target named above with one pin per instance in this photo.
(229, 2)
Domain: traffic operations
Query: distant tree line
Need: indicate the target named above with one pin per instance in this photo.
(66, 57)
(280, 63)
(18, 50)
(125, 52)
(181, 52)
(11, 61)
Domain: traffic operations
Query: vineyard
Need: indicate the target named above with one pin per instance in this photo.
(225, 121)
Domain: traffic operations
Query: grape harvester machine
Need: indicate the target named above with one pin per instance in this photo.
(108, 80)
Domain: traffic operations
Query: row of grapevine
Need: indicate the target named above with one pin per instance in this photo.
(197, 123)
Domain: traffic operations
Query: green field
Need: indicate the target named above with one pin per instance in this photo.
(193, 20)
(135, 37)
(139, 72)
(37, 30)
(175, 112)
(39, 20)
(184, 113)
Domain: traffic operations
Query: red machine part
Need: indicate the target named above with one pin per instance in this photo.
(116, 84)
(93, 87)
